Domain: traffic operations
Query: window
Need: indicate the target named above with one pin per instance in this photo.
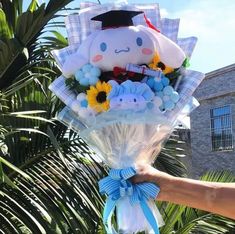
(221, 128)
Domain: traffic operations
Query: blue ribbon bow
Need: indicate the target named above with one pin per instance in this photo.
(116, 185)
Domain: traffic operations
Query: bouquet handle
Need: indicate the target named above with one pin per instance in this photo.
(116, 186)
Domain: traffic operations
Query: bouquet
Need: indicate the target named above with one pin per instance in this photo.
(125, 84)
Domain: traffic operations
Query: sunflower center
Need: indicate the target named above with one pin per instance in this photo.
(161, 66)
(101, 97)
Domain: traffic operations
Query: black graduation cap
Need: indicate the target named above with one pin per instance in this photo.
(116, 18)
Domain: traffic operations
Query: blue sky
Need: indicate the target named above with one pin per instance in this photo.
(211, 21)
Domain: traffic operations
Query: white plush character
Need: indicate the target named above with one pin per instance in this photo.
(120, 43)
(128, 102)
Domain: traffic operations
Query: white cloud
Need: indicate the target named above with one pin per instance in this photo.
(164, 13)
(213, 23)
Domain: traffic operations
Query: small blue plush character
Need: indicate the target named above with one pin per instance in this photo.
(130, 96)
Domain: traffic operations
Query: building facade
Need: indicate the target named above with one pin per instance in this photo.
(213, 123)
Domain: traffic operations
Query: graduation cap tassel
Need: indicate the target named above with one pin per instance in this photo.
(150, 25)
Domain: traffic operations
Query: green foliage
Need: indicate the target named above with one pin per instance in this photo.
(63, 197)
(22, 31)
(4, 28)
(169, 159)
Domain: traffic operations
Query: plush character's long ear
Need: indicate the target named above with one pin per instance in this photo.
(79, 58)
(170, 53)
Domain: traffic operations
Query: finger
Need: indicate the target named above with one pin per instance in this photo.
(137, 179)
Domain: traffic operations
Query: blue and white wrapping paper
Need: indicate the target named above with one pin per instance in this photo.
(125, 139)
(118, 188)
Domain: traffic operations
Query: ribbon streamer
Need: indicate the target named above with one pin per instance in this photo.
(116, 185)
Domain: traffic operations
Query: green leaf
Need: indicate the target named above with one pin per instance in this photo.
(33, 118)
(26, 53)
(55, 5)
(2, 160)
(30, 112)
(1, 174)
(30, 130)
(186, 63)
(9, 182)
(33, 5)
(4, 28)
(23, 26)
(63, 41)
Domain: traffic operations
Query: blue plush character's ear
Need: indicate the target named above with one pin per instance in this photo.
(115, 89)
(80, 58)
(128, 86)
(139, 89)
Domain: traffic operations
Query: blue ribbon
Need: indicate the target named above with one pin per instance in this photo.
(116, 185)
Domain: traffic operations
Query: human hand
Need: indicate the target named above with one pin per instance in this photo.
(147, 173)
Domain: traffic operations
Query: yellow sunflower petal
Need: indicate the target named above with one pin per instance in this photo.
(151, 65)
(92, 94)
(93, 89)
(168, 70)
(156, 59)
(99, 86)
(105, 106)
(108, 88)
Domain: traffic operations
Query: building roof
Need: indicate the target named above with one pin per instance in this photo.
(217, 83)
(220, 71)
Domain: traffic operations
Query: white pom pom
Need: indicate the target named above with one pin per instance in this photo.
(81, 97)
(157, 101)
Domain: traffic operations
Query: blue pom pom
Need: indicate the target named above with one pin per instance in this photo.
(169, 105)
(87, 67)
(168, 90)
(165, 81)
(84, 103)
(161, 108)
(95, 71)
(79, 75)
(160, 94)
(166, 98)
(175, 97)
(150, 82)
(93, 80)
(158, 86)
(84, 82)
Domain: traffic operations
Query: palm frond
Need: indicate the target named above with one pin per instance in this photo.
(23, 31)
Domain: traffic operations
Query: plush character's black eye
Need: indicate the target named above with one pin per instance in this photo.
(103, 46)
(120, 99)
(139, 41)
(134, 99)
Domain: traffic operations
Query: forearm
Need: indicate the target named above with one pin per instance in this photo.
(213, 197)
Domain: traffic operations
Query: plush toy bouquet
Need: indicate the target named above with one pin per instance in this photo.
(125, 85)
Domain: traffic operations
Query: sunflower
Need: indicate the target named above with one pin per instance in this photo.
(157, 64)
(97, 96)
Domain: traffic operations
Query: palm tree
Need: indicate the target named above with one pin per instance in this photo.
(48, 175)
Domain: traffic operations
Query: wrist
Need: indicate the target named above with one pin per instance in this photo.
(166, 183)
